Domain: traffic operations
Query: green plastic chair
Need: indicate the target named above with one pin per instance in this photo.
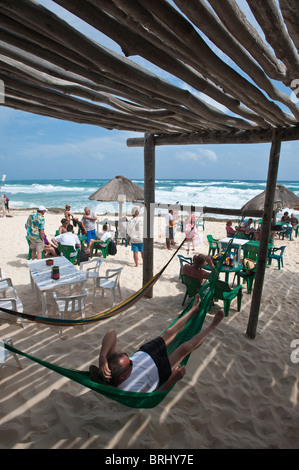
(296, 231)
(251, 250)
(225, 293)
(213, 245)
(275, 255)
(192, 286)
(103, 247)
(67, 250)
(183, 260)
(286, 233)
(240, 234)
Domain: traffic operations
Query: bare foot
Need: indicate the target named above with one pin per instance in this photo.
(196, 304)
(217, 318)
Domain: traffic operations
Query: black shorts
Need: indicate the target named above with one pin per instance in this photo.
(156, 349)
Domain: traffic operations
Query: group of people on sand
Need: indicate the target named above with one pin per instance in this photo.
(253, 233)
(245, 228)
(39, 242)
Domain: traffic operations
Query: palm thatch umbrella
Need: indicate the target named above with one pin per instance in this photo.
(119, 189)
(284, 198)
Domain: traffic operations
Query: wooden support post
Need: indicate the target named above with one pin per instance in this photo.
(265, 234)
(149, 205)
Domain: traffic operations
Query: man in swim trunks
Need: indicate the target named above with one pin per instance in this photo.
(150, 368)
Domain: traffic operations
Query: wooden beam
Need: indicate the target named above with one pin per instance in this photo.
(149, 200)
(256, 136)
(265, 234)
(212, 210)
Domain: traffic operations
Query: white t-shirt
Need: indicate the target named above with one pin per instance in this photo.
(105, 235)
(135, 230)
(144, 376)
(69, 239)
(168, 218)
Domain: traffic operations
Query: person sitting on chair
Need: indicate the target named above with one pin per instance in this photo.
(285, 217)
(230, 232)
(195, 270)
(68, 238)
(102, 239)
(150, 368)
(294, 221)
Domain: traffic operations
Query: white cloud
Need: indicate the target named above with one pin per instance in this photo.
(200, 155)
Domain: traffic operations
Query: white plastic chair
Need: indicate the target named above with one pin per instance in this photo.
(93, 271)
(5, 283)
(109, 281)
(4, 353)
(12, 302)
(69, 304)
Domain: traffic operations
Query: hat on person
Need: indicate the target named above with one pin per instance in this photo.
(42, 208)
(134, 210)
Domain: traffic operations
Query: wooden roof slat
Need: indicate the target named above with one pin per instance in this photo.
(290, 13)
(194, 9)
(123, 70)
(236, 23)
(204, 18)
(270, 20)
(127, 40)
(60, 71)
(106, 24)
(211, 63)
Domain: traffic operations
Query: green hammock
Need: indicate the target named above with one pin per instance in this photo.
(140, 399)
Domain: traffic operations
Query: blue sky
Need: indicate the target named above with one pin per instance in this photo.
(36, 147)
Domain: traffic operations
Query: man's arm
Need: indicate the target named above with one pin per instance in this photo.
(177, 374)
(108, 347)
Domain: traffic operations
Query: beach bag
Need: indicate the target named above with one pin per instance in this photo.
(83, 256)
(112, 248)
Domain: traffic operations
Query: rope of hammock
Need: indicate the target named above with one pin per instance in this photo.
(122, 306)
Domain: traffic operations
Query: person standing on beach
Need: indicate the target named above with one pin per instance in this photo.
(89, 221)
(2, 205)
(35, 227)
(169, 229)
(135, 234)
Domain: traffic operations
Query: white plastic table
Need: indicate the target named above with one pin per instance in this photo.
(42, 282)
(236, 242)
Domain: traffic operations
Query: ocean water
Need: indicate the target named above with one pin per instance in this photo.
(56, 193)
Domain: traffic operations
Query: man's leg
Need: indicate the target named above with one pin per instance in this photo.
(135, 257)
(171, 332)
(186, 348)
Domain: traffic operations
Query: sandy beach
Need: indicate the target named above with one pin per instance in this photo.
(237, 392)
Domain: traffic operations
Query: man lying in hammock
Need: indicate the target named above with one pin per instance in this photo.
(150, 368)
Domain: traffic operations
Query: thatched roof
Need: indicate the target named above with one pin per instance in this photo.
(117, 187)
(284, 198)
(50, 68)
